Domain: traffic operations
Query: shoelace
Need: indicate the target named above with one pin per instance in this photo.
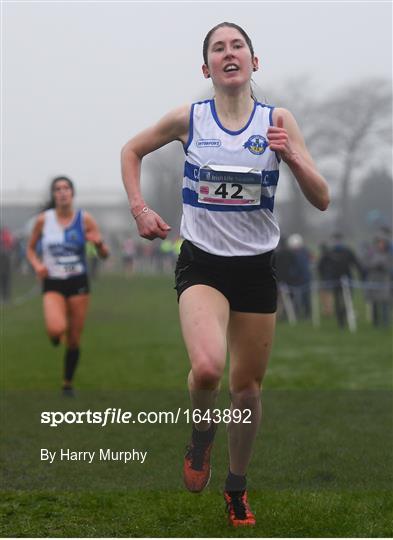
(196, 453)
(238, 505)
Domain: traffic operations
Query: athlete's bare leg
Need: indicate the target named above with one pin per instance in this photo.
(204, 315)
(76, 314)
(55, 314)
(250, 338)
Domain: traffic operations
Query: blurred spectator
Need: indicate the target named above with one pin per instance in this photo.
(166, 256)
(301, 276)
(285, 262)
(128, 256)
(20, 264)
(6, 247)
(343, 261)
(285, 265)
(385, 232)
(326, 277)
(379, 266)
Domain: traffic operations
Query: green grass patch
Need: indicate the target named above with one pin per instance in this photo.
(322, 464)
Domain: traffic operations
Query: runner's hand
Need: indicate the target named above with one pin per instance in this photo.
(41, 271)
(94, 237)
(279, 140)
(151, 225)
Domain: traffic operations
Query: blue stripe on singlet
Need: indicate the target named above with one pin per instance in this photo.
(269, 178)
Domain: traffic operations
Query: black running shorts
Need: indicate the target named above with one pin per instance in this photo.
(71, 286)
(248, 282)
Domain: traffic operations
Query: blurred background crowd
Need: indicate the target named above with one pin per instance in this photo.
(315, 281)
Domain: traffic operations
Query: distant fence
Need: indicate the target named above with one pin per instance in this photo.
(344, 285)
(26, 287)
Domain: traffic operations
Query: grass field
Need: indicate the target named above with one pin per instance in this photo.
(322, 464)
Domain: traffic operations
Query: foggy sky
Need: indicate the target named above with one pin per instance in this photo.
(79, 79)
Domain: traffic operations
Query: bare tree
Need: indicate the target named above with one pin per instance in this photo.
(354, 133)
(373, 208)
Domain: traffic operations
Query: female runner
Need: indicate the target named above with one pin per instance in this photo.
(63, 233)
(225, 276)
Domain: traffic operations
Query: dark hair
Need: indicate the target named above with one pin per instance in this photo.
(51, 202)
(230, 25)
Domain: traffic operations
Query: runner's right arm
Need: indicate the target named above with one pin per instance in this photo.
(173, 126)
(39, 268)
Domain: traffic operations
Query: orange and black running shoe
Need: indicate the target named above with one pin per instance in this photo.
(238, 509)
(196, 467)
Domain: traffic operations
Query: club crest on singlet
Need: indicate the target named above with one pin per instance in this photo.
(73, 236)
(256, 144)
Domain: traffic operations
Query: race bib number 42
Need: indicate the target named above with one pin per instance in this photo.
(69, 265)
(232, 186)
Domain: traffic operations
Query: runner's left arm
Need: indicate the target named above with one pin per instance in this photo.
(93, 235)
(285, 138)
